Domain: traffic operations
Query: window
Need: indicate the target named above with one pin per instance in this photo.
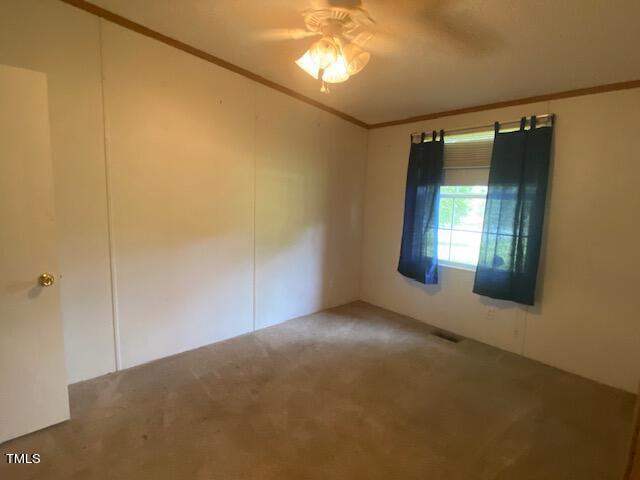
(461, 215)
(467, 157)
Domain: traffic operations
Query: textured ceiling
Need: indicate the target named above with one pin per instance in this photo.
(429, 55)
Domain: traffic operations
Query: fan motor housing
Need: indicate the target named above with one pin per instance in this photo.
(336, 21)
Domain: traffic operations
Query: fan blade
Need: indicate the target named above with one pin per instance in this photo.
(462, 34)
(384, 45)
(448, 23)
(362, 38)
(345, 3)
(278, 34)
(377, 42)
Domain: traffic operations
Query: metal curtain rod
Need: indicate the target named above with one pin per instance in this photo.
(490, 126)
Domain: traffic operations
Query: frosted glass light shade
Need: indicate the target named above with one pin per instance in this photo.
(306, 63)
(337, 71)
(324, 53)
(356, 58)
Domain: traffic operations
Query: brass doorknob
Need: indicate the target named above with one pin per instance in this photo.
(46, 279)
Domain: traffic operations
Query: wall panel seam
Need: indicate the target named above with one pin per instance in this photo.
(112, 258)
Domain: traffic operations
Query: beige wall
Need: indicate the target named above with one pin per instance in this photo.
(586, 317)
(181, 176)
(309, 191)
(64, 43)
(214, 178)
(235, 207)
(223, 194)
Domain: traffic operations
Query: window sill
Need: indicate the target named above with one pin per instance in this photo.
(457, 266)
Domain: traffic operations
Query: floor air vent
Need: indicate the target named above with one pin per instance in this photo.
(449, 337)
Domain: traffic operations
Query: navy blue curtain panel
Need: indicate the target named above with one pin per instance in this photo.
(514, 214)
(419, 248)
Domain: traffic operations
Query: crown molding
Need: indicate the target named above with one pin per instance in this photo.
(610, 87)
(148, 32)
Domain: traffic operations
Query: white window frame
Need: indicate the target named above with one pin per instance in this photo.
(449, 263)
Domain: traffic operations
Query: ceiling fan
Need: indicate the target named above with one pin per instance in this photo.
(345, 29)
(339, 53)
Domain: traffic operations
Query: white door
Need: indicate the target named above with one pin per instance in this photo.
(33, 384)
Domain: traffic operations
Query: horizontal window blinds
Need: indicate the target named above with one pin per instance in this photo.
(467, 158)
(466, 176)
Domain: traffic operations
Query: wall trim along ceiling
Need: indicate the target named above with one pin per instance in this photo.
(141, 29)
(610, 87)
(148, 32)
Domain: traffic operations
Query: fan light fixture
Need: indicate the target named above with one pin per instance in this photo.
(329, 62)
(338, 54)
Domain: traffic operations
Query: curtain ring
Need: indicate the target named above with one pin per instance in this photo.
(433, 136)
(496, 127)
(441, 135)
(422, 138)
(523, 123)
(534, 122)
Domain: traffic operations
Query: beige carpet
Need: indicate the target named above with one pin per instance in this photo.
(352, 393)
